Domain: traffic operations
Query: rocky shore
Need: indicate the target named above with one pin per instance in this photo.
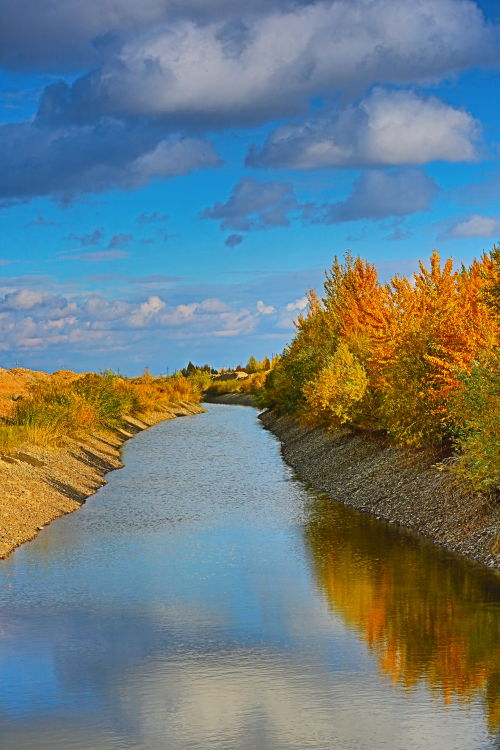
(39, 484)
(408, 488)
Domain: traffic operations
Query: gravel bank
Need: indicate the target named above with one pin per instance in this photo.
(402, 487)
(39, 485)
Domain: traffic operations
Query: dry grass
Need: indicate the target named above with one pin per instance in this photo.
(44, 410)
(252, 384)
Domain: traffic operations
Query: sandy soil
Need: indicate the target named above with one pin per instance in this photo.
(401, 486)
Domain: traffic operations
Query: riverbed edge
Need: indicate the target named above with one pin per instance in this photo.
(40, 485)
(232, 399)
(412, 489)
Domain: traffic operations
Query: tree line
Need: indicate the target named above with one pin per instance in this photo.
(417, 358)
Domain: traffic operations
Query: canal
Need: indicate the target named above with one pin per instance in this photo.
(206, 599)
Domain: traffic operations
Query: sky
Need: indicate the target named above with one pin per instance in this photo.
(175, 174)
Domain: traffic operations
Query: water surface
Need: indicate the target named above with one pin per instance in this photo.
(205, 599)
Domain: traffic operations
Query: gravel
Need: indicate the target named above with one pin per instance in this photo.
(411, 488)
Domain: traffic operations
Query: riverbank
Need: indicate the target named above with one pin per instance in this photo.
(235, 399)
(403, 487)
(42, 484)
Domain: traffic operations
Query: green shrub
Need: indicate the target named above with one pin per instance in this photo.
(332, 396)
(476, 412)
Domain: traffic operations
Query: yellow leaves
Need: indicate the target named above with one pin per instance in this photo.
(338, 386)
(389, 355)
(443, 322)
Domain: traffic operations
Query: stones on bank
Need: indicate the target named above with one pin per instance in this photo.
(404, 487)
(39, 484)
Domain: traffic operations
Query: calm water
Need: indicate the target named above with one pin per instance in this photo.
(205, 599)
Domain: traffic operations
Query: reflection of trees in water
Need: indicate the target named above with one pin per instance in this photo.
(426, 615)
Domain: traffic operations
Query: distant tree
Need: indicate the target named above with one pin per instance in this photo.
(252, 365)
(189, 369)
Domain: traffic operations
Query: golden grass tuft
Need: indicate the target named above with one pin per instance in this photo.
(49, 409)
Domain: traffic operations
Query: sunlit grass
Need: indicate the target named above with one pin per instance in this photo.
(57, 408)
(251, 384)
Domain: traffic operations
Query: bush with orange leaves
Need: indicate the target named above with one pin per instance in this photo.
(393, 356)
(443, 322)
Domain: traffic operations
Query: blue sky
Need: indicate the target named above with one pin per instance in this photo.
(175, 175)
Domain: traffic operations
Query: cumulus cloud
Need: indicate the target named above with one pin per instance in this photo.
(70, 34)
(213, 305)
(476, 226)
(291, 311)
(298, 304)
(375, 194)
(161, 71)
(387, 128)
(171, 158)
(271, 64)
(265, 309)
(31, 319)
(37, 159)
(24, 299)
(146, 311)
(378, 195)
(255, 205)
(98, 308)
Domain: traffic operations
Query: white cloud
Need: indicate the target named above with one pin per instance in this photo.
(476, 226)
(160, 69)
(146, 311)
(298, 304)
(278, 61)
(272, 63)
(264, 309)
(98, 308)
(291, 312)
(387, 128)
(76, 34)
(24, 299)
(214, 306)
(87, 323)
(69, 160)
(171, 158)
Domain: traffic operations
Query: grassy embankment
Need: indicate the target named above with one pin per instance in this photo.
(250, 386)
(53, 408)
(61, 433)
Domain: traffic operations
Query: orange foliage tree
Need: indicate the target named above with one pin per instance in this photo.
(390, 356)
(442, 323)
